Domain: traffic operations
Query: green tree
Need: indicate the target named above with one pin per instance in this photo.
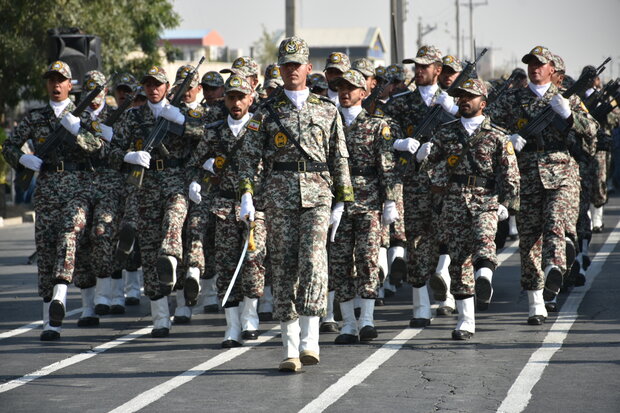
(123, 25)
(266, 48)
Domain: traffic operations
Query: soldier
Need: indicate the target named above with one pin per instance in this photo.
(125, 84)
(61, 195)
(545, 177)
(371, 165)
(247, 67)
(366, 68)
(474, 169)
(299, 137)
(336, 64)
(161, 198)
(317, 84)
(217, 153)
(450, 70)
(212, 88)
(273, 80)
(397, 74)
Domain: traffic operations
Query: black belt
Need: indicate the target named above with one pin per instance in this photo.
(473, 180)
(363, 171)
(229, 194)
(300, 166)
(63, 166)
(533, 147)
(161, 164)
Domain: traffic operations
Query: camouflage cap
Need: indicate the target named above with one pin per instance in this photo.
(396, 73)
(452, 62)
(92, 79)
(243, 66)
(213, 79)
(472, 86)
(156, 72)
(426, 55)
(541, 53)
(59, 67)
(317, 80)
(238, 83)
(558, 62)
(339, 61)
(140, 91)
(274, 83)
(127, 80)
(364, 66)
(293, 50)
(382, 73)
(272, 71)
(182, 73)
(352, 77)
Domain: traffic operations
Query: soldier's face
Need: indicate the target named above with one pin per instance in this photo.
(58, 87)
(540, 74)
(349, 95)
(426, 75)
(557, 78)
(120, 94)
(212, 93)
(331, 74)
(155, 90)
(471, 105)
(238, 103)
(371, 83)
(191, 94)
(294, 75)
(447, 77)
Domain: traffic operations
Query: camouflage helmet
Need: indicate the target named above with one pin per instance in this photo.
(472, 86)
(59, 67)
(293, 50)
(339, 61)
(126, 80)
(452, 62)
(426, 55)
(317, 80)
(364, 66)
(541, 53)
(243, 66)
(352, 77)
(237, 83)
(213, 79)
(182, 73)
(156, 72)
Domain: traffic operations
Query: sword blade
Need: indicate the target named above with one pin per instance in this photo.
(239, 265)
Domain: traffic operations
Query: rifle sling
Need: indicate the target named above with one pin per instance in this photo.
(274, 116)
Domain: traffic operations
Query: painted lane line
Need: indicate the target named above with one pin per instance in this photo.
(520, 392)
(72, 360)
(25, 328)
(150, 396)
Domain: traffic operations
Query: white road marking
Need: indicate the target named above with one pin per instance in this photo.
(520, 392)
(73, 360)
(25, 328)
(159, 391)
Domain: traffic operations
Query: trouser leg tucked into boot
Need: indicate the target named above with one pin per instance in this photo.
(466, 325)
(249, 319)
(88, 317)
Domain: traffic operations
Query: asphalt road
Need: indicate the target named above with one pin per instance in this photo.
(570, 364)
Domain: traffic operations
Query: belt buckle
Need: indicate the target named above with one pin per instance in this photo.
(301, 166)
(471, 180)
(60, 167)
(159, 164)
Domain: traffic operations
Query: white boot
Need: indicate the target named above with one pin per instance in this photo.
(399, 271)
(291, 331)
(421, 307)
(328, 323)
(484, 287)
(182, 314)
(191, 287)
(597, 218)
(348, 332)
(49, 333)
(58, 305)
(512, 227)
(366, 321)
(383, 262)
(117, 292)
(211, 304)
(265, 303)
(103, 295)
(249, 318)
(88, 317)
(160, 313)
(466, 325)
(232, 336)
(309, 343)
(537, 311)
(132, 287)
(440, 284)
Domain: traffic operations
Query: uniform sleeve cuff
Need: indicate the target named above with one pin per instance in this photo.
(246, 185)
(344, 194)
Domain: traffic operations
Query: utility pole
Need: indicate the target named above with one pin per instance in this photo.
(458, 30)
(398, 9)
(292, 18)
(471, 6)
(423, 31)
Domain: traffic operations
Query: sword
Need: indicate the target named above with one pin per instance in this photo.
(247, 245)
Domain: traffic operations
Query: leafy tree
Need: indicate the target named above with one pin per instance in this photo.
(123, 25)
(266, 48)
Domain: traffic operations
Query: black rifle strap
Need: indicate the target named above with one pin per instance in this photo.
(228, 154)
(274, 116)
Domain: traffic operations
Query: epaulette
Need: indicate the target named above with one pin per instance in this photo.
(499, 128)
(322, 98)
(406, 92)
(214, 124)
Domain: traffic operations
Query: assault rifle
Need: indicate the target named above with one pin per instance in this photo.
(605, 101)
(57, 137)
(508, 84)
(436, 114)
(369, 104)
(161, 129)
(547, 116)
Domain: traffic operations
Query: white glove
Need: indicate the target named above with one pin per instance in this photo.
(423, 152)
(141, 158)
(208, 165)
(173, 114)
(447, 103)
(502, 213)
(247, 207)
(334, 219)
(390, 214)
(194, 192)
(406, 145)
(517, 141)
(71, 123)
(31, 162)
(106, 132)
(561, 106)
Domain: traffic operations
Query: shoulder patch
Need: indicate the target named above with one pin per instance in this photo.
(378, 113)
(313, 99)
(194, 113)
(386, 133)
(254, 124)
(279, 103)
(509, 148)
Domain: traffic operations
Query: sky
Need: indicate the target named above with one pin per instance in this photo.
(581, 31)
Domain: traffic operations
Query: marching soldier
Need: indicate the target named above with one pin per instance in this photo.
(273, 80)
(337, 63)
(317, 84)
(212, 88)
(544, 177)
(450, 70)
(299, 137)
(218, 154)
(474, 169)
(371, 166)
(61, 195)
(246, 67)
